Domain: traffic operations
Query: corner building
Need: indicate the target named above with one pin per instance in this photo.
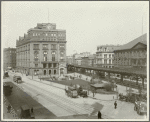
(42, 51)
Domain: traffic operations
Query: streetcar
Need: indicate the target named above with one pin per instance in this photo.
(71, 92)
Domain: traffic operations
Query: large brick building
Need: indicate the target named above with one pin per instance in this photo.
(9, 58)
(105, 55)
(42, 50)
(132, 54)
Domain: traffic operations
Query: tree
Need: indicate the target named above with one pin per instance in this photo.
(108, 87)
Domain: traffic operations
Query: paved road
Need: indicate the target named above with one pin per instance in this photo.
(19, 98)
(124, 111)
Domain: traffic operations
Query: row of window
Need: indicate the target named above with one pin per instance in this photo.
(133, 53)
(49, 34)
(105, 55)
(45, 46)
(36, 46)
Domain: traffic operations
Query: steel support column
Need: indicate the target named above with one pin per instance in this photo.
(109, 76)
(137, 80)
(143, 82)
(121, 80)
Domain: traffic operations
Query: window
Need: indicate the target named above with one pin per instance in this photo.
(109, 61)
(36, 47)
(105, 55)
(45, 55)
(53, 46)
(36, 65)
(45, 46)
(53, 56)
(105, 61)
(109, 55)
(44, 65)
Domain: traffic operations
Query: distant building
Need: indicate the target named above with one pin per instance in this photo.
(132, 54)
(69, 59)
(85, 54)
(42, 50)
(78, 61)
(105, 55)
(9, 58)
(88, 61)
(78, 57)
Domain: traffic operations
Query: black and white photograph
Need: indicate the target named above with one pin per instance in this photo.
(74, 60)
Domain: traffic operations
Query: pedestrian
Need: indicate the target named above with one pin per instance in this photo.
(32, 110)
(115, 104)
(9, 108)
(99, 115)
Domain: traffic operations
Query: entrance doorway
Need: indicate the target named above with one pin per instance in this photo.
(54, 72)
(61, 71)
(49, 72)
(44, 72)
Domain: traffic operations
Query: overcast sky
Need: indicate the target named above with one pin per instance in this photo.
(87, 24)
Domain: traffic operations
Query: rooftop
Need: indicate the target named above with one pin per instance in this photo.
(142, 39)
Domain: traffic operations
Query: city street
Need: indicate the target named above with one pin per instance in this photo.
(55, 100)
(75, 61)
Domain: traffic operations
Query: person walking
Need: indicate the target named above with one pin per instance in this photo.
(115, 104)
(8, 108)
(99, 115)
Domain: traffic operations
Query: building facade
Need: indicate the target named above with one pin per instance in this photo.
(69, 59)
(132, 54)
(105, 55)
(88, 61)
(9, 58)
(42, 51)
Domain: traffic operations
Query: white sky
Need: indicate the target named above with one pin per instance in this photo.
(87, 24)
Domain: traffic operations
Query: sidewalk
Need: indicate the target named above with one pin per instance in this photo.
(6, 115)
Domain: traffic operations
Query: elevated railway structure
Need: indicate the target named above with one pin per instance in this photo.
(135, 72)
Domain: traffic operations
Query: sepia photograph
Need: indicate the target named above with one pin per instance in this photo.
(74, 60)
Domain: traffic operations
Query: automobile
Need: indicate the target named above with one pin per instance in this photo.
(140, 107)
(7, 89)
(26, 113)
(6, 74)
(17, 79)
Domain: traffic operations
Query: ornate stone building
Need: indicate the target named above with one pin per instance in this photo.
(42, 50)
(132, 54)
